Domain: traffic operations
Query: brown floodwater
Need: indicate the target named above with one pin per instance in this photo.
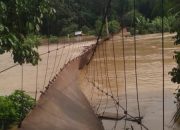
(11, 79)
(107, 75)
(106, 72)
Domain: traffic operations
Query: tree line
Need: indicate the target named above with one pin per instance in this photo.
(85, 15)
(20, 19)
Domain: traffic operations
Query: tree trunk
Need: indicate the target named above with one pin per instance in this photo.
(107, 27)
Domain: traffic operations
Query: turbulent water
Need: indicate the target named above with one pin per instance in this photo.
(149, 77)
(106, 71)
(12, 78)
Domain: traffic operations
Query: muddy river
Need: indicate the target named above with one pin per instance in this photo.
(107, 75)
(149, 81)
(11, 79)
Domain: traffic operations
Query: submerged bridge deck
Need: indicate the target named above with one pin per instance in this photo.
(63, 106)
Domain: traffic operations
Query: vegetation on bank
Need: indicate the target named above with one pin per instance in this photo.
(85, 15)
(175, 73)
(14, 108)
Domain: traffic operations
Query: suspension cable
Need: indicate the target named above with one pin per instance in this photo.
(107, 74)
(57, 44)
(96, 81)
(163, 63)
(47, 64)
(42, 54)
(135, 58)
(73, 49)
(22, 97)
(101, 29)
(116, 77)
(101, 77)
(37, 73)
(105, 71)
(60, 58)
(124, 66)
(93, 79)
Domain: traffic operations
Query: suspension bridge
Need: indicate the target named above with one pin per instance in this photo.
(69, 90)
(96, 84)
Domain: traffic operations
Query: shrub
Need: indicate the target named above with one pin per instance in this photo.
(70, 29)
(157, 24)
(14, 108)
(142, 25)
(114, 26)
(8, 113)
(22, 102)
(92, 32)
(85, 29)
(98, 25)
(171, 20)
(128, 18)
(131, 30)
(32, 40)
(168, 23)
(175, 72)
(53, 39)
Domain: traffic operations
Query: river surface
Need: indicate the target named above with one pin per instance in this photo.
(108, 77)
(11, 79)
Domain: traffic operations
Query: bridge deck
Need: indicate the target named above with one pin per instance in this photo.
(63, 106)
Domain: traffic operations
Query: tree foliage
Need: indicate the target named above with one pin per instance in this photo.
(73, 15)
(18, 18)
(145, 25)
(114, 26)
(175, 73)
(7, 113)
(14, 108)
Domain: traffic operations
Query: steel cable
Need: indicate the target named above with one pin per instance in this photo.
(54, 61)
(135, 62)
(163, 63)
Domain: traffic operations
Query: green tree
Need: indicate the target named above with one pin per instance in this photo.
(114, 26)
(18, 18)
(14, 108)
(175, 73)
(8, 114)
(128, 18)
(98, 25)
(22, 103)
